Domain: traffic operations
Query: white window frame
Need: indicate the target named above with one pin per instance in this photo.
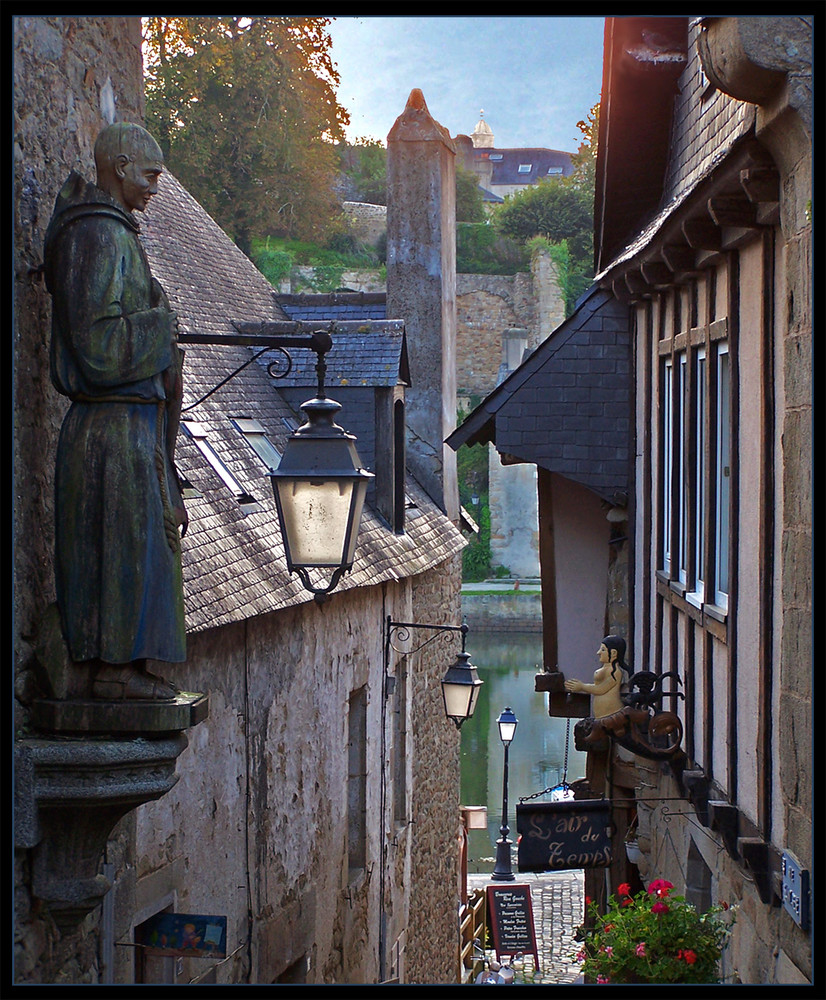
(722, 476)
(668, 460)
(682, 465)
(698, 440)
(198, 433)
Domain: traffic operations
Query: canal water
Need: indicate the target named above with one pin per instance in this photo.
(507, 662)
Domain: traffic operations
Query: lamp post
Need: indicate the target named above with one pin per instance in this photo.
(319, 486)
(461, 683)
(507, 723)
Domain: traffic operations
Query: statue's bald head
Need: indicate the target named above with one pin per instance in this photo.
(123, 152)
(124, 139)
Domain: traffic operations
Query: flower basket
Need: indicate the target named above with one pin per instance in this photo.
(654, 937)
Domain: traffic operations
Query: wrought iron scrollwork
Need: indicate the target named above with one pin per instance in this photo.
(401, 632)
(640, 726)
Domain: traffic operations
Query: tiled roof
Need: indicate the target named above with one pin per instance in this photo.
(233, 556)
(506, 164)
(567, 407)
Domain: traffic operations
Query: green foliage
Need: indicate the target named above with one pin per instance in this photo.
(275, 264)
(654, 937)
(364, 169)
(574, 277)
(554, 209)
(469, 204)
(585, 159)
(275, 258)
(476, 554)
(482, 249)
(472, 475)
(245, 110)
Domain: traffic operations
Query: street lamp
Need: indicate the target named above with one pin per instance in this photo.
(507, 723)
(319, 489)
(461, 683)
(319, 485)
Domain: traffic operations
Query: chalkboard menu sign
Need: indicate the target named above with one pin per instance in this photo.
(554, 836)
(510, 914)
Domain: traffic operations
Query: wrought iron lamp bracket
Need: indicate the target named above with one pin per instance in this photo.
(267, 337)
(401, 632)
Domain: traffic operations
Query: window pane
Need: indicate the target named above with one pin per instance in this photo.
(700, 471)
(723, 477)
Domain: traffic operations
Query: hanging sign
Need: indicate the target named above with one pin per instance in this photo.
(188, 935)
(510, 913)
(555, 836)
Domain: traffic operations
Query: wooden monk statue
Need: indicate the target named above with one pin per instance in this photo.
(606, 687)
(114, 354)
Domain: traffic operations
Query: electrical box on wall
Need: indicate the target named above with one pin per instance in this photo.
(795, 890)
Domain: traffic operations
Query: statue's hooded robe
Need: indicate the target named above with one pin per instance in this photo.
(117, 549)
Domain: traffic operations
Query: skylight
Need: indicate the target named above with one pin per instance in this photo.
(198, 433)
(256, 437)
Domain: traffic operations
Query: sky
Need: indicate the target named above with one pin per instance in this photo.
(533, 77)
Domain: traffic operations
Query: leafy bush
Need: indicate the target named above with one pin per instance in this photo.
(482, 249)
(654, 937)
(275, 258)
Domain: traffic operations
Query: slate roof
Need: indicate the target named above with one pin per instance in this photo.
(335, 305)
(368, 349)
(567, 408)
(233, 556)
(506, 163)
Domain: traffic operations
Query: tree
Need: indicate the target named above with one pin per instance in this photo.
(560, 212)
(469, 205)
(245, 110)
(585, 159)
(553, 209)
(364, 166)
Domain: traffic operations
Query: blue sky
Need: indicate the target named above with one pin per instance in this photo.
(534, 77)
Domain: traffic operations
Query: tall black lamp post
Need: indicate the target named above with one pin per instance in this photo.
(507, 723)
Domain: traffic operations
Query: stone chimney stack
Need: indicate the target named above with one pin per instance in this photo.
(421, 289)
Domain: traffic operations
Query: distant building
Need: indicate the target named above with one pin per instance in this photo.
(505, 171)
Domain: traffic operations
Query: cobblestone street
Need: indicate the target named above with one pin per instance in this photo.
(557, 902)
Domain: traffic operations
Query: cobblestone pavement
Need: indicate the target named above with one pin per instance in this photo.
(557, 900)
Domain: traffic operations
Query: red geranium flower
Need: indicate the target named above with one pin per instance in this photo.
(624, 889)
(659, 907)
(690, 956)
(660, 887)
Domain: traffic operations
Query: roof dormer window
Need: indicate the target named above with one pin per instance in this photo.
(525, 168)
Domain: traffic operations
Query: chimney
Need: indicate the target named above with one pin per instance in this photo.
(421, 289)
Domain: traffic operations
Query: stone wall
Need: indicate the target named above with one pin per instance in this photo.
(488, 304)
(368, 223)
(433, 934)
(71, 76)
(259, 826)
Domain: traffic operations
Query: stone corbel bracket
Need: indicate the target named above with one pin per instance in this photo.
(69, 794)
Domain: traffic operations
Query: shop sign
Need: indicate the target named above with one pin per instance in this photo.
(187, 935)
(555, 836)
